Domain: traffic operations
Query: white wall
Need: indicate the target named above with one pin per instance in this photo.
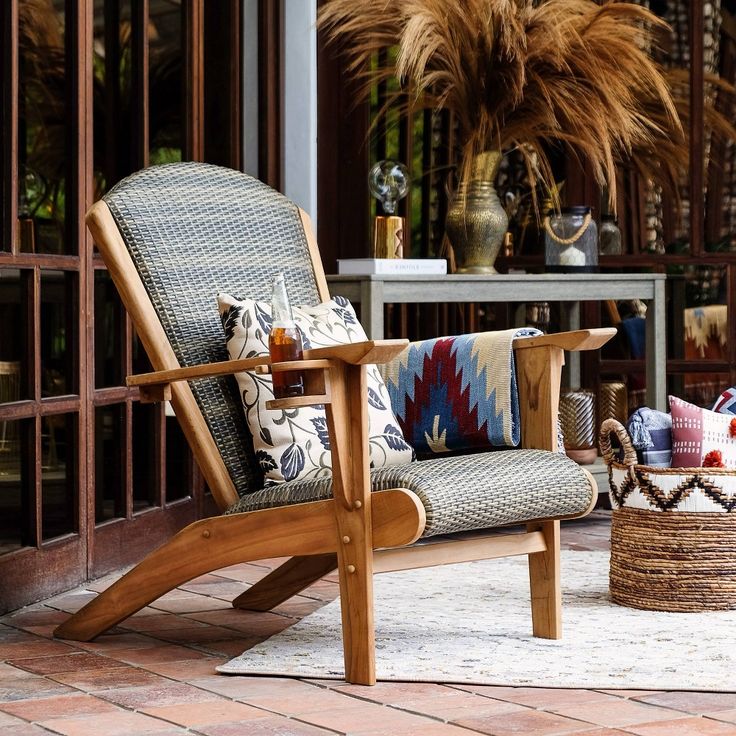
(250, 87)
(300, 104)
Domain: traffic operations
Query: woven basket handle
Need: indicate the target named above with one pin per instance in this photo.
(612, 426)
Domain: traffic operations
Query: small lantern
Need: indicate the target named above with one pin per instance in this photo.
(571, 241)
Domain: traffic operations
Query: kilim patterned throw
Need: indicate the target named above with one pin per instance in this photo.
(457, 393)
(673, 533)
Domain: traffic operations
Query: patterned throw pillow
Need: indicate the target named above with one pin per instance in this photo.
(294, 444)
(700, 437)
(726, 402)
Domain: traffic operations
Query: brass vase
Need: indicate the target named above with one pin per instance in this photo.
(476, 220)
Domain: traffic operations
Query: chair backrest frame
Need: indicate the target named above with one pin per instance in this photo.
(136, 300)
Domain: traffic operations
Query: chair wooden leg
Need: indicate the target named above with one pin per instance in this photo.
(285, 581)
(544, 580)
(347, 422)
(202, 547)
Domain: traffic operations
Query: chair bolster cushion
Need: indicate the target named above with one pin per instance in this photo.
(457, 393)
(462, 493)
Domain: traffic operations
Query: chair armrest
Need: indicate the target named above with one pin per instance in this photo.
(571, 341)
(360, 353)
(155, 386)
(206, 370)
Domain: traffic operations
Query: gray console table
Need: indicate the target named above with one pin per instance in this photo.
(372, 292)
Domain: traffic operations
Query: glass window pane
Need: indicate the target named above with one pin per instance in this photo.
(146, 468)
(58, 486)
(42, 129)
(57, 333)
(15, 493)
(109, 333)
(178, 462)
(166, 121)
(13, 334)
(109, 462)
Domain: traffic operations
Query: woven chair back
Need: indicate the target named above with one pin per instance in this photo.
(194, 230)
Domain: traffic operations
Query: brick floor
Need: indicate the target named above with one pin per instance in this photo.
(155, 674)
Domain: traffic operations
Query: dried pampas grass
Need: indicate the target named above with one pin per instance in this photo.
(521, 73)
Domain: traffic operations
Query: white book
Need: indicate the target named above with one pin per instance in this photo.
(384, 266)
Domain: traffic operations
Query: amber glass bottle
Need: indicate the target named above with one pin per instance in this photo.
(284, 343)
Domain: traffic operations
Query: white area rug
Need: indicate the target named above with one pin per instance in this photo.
(471, 623)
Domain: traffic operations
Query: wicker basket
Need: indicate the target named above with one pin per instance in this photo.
(673, 536)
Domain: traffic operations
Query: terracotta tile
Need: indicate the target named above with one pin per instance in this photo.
(225, 589)
(156, 622)
(631, 693)
(8, 672)
(33, 646)
(25, 729)
(206, 714)
(245, 573)
(684, 727)
(114, 642)
(299, 608)
(527, 722)
(249, 689)
(36, 617)
(724, 715)
(273, 726)
(537, 697)
(602, 732)
(7, 720)
(618, 713)
(233, 647)
(45, 631)
(160, 694)
(271, 562)
(187, 670)
(96, 680)
(208, 577)
(104, 583)
(65, 663)
(454, 708)
(251, 622)
(145, 611)
(425, 729)
(198, 634)
(43, 709)
(306, 701)
(157, 653)
(323, 590)
(690, 702)
(390, 692)
(356, 717)
(71, 602)
(121, 723)
(191, 604)
(30, 687)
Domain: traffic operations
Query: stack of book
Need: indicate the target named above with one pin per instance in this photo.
(395, 266)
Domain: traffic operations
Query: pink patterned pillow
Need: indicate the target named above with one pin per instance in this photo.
(696, 432)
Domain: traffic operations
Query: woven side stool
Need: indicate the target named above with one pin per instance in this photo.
(673, 532)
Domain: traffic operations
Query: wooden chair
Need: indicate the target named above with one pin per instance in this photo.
(172, 237)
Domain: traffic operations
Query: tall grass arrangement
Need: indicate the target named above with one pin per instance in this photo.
(524, 74)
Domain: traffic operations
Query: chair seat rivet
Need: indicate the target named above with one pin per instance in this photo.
(206, 533)
(346, 540)
(357, 504)
(351, 569)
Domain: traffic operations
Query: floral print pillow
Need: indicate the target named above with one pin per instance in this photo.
(294, 444)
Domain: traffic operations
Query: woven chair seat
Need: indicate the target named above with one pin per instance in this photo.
(462, 493)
